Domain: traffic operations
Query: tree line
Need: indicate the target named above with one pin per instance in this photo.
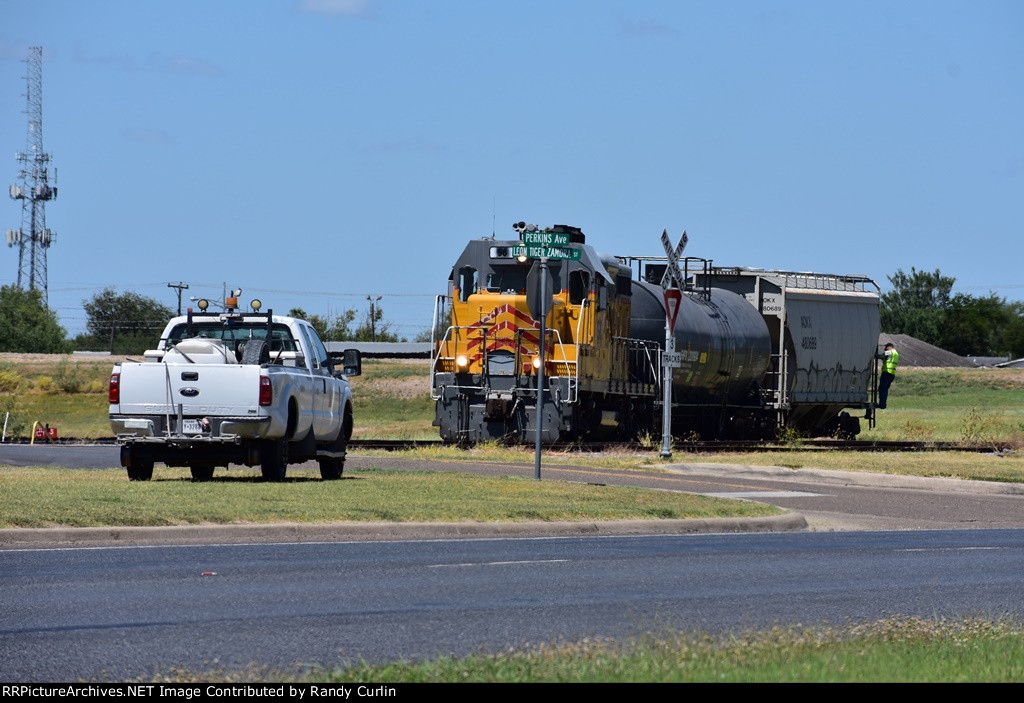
(129, 323)
(921, 305)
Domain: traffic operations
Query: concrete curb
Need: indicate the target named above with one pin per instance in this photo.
(59, 537)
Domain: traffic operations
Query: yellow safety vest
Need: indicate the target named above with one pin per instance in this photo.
(892, 357)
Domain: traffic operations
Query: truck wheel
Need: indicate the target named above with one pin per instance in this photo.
(138, 462)
(256, 352)
(274, 459)
(331, 467)
(203, 472)
(140, 470)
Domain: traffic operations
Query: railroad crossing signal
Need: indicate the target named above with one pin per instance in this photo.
(673, 277)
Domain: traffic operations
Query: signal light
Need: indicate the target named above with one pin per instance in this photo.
(266, 391)
(114, 394)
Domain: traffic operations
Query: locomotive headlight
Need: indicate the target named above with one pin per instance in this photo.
(461, 361)
(536, 362)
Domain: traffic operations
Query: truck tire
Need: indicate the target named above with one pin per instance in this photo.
(202, 472)
(138, 462)
(140, 470)
(274, 459)
(256, 352)
(331, 467)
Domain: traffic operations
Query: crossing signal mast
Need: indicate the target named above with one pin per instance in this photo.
(33, 238)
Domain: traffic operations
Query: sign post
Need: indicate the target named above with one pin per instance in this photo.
(544, 296)
(672, 282)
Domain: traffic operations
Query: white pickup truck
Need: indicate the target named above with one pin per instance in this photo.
(234, 388)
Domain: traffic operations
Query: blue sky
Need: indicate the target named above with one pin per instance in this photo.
(318, 151)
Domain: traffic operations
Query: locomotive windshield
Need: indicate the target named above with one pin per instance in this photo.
(507, 279)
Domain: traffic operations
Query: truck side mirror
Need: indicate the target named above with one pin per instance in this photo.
(352, 362)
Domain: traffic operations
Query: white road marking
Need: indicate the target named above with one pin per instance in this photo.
(949, 549)
(499, 563)
(764, 494)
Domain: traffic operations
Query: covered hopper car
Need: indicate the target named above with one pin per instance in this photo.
(759, 351)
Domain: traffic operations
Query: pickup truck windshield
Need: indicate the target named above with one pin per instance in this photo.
(280, 340)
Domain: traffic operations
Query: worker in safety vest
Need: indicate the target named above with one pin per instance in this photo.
(890, 358)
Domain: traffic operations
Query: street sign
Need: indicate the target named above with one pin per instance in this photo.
(556, 239)
(673, 297)
(673, 277)
(672, 360)
(544, 252)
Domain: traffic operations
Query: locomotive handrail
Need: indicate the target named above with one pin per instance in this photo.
(453, 332)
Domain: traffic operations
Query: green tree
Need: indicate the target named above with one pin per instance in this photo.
(27, 324)
(124, 323)
(917, 304)
(973, 326)
(328, 330)
(373, 328)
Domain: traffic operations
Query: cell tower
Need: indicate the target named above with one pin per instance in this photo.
(34, 190)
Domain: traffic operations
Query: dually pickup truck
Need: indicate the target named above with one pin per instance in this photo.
(226, 388)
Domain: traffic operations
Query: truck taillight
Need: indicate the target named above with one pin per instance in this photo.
(266, 391)
(114, 394)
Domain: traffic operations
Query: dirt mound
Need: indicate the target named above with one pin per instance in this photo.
(914, 352)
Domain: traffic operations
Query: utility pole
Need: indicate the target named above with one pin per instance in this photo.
(34, 190)
(180, 286)
(373, 317)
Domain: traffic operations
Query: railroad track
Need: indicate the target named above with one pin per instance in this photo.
(711, 447)
(679, 448)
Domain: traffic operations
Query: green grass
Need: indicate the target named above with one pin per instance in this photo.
(893, 650)
(46, 497)
(898, 649)
(953, 405)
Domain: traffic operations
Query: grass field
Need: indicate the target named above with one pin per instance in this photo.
(897, 649)
(47, 497)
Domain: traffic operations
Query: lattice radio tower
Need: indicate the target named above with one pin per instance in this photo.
(34, 189)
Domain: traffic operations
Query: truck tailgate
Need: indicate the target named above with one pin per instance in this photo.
(199, 389)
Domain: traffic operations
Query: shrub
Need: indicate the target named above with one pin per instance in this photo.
(10, 381)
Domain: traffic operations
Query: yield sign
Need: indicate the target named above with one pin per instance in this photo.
(673, 297)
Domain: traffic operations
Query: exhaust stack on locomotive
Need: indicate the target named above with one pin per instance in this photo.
(760, 350)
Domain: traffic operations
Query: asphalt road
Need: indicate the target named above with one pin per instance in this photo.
(129, 612)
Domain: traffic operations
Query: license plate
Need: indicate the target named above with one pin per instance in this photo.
(192, 427)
